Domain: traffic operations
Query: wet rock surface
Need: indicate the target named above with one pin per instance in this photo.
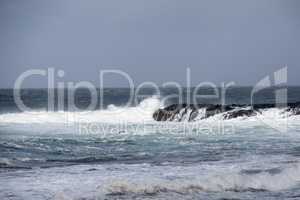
(190, 112)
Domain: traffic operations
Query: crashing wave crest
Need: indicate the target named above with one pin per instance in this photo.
(236, 181)
(149, 110)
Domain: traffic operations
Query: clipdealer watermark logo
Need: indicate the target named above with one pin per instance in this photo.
(276, 118)
(117, 121)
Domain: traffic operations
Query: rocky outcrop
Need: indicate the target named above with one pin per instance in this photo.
(190, 112)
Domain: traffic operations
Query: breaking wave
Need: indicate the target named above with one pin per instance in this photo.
(151, 110)
(113, 114)
(142, 180)
(236, 181)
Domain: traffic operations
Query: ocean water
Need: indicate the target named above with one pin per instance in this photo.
(119, 151)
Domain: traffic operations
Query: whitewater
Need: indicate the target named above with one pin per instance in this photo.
(124, 153)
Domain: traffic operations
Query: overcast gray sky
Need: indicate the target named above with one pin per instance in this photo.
(151, 40)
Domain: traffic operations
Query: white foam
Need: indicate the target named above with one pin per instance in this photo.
(208, 178)
(113, 114)
(78, 182)
(139, 120)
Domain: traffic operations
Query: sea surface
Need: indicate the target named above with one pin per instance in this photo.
(116, 150)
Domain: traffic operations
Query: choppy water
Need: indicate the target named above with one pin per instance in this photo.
(121, 153)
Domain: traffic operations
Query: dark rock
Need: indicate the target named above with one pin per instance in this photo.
(239, 113)
(180, 112)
